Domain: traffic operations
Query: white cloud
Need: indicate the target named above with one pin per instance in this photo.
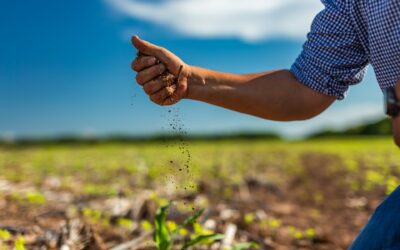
(249, 20)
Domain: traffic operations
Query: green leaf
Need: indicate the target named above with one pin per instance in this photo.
(19, 244)
(161, 235)
(5, 235)
(202, 238)
(244, 246)
(192, 219)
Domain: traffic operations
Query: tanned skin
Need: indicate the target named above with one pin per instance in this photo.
(274, 95)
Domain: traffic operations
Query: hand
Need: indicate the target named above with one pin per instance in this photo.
(163, 75)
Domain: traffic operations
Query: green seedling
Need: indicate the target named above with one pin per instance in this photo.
(310, 233)
(93, 216)
(35, 198)
(249, 218)
(146, 225)
(295, 233)
(244, 246)
(165, 237)
(125, 223)
(5, 235)
(19, 244)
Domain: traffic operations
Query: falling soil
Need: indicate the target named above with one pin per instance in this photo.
(178, 130)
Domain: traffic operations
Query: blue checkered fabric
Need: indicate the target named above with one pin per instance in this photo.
(345, 37)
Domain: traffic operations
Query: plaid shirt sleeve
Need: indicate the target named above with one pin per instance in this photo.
(333, 57)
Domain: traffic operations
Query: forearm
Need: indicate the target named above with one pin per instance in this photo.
(275, 95)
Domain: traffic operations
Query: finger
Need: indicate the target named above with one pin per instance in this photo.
(163, 94)
(162, 54)
(155, 85)
(150, 73)
(143, 62)
(144, 46)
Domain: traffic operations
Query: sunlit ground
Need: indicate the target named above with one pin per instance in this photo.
(281, 195)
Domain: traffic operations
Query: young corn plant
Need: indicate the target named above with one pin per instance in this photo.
(165, 238)
(245, 246)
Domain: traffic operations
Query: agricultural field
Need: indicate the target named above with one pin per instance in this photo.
(250, 194)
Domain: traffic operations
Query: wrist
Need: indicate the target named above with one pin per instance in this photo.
(195, 80)
(196, 76)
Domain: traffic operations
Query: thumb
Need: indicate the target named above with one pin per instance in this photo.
(144, 46)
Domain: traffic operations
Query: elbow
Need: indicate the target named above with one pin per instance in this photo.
(295, 117)
(308, 115)
(309, 106)
(301, 115)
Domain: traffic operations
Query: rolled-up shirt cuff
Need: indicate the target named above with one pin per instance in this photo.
(318, 81)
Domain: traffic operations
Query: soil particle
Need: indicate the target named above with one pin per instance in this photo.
(178, 130)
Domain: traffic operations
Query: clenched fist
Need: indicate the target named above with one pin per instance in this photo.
(163, 75)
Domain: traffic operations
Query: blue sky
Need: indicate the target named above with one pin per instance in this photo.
(65, 65)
